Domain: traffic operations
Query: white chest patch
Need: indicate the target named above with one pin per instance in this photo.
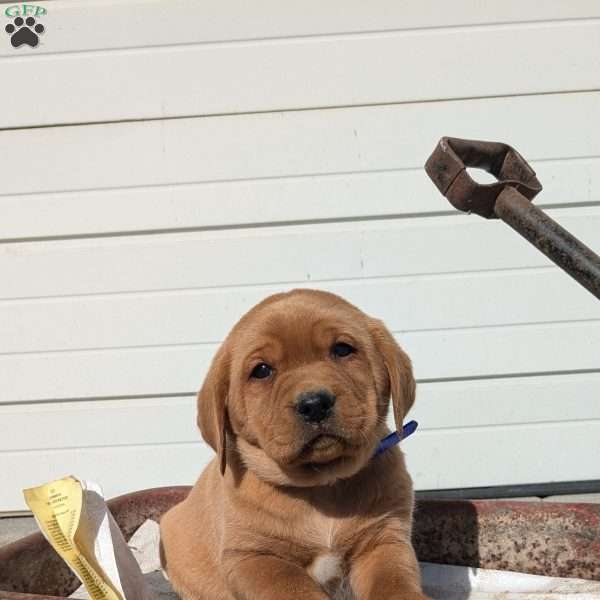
(326, 569)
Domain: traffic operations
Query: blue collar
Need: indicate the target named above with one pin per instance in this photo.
(394, 438)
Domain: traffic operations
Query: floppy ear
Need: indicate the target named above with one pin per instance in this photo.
(212, 406)
(399, 370)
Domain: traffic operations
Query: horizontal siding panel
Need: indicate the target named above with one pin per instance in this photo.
(74, 25)
(169, 420)
(192, 316)
(301, 73)
(436, 460)
(104, 341)
(447, 354)
(99, 423)
(337, 141)
(305, 253)
(119, 470)
(255, 202)
(494, 456)
(510, 401)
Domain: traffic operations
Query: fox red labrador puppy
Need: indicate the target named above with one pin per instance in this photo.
(295, 506)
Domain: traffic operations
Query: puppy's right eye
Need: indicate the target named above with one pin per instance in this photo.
(341, 350)
(261, 371)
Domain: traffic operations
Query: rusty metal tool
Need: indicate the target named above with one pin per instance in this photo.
(509, 198)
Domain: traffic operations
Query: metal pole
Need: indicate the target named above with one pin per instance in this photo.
(562, 248)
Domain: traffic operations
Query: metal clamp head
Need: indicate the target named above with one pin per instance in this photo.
(447, 168)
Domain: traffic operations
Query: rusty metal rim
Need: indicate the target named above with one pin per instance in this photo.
(556, 539)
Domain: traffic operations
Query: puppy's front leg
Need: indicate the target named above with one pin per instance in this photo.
(389, 571)
(266, 577)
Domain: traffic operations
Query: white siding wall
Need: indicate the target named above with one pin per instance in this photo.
(165, 165)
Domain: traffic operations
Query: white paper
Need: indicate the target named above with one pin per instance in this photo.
(99, 535)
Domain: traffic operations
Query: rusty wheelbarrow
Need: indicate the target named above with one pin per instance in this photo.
(561, 540)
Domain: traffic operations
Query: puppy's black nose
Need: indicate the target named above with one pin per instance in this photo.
(316, 406)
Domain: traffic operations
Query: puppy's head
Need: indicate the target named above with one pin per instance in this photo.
(301, 386)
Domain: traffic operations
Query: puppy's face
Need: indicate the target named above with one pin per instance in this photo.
(302, 385)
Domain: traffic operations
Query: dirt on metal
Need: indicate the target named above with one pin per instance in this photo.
(553, 539)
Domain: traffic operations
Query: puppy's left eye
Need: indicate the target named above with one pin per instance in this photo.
(341, 349)
(261, 371)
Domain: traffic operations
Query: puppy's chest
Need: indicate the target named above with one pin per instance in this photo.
(328, 570)
(328, 564)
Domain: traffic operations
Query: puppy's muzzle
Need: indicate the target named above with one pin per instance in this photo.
(315, 406)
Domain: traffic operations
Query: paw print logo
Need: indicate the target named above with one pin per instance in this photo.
(24, 31)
